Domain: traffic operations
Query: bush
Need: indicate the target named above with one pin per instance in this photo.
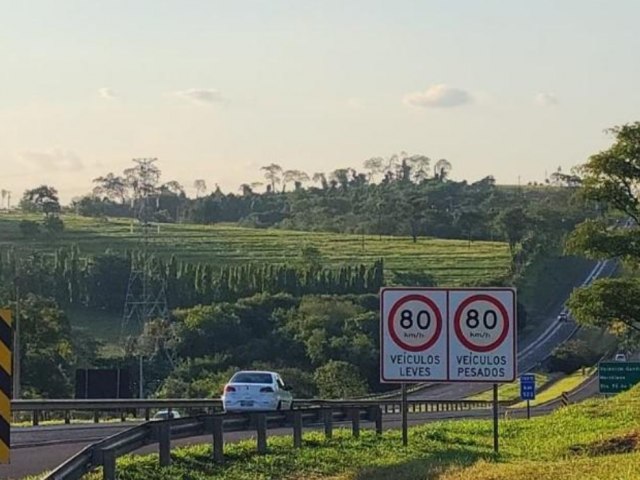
(53, 224)
(571, 356)
(337, 379)
(29, 229)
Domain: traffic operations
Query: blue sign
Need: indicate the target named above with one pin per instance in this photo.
(528, 387)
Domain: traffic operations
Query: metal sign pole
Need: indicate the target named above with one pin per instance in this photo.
(405, 433)
(528, 410)
(495, 417)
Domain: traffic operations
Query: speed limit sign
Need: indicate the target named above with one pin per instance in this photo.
(452, 335)
(413, 336)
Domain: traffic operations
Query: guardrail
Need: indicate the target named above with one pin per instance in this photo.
(120, 407)
(104, 453)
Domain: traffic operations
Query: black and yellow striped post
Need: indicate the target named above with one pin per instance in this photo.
(5, 385)
(564, 398)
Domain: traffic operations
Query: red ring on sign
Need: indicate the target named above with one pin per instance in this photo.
(430, 304)
(458, 328)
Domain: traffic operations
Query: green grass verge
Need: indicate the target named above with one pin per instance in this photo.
(452, 262)
(571, 443)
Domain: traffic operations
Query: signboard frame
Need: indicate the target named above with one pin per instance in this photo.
(448, 328)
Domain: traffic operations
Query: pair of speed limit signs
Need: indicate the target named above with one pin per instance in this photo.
(447, 335)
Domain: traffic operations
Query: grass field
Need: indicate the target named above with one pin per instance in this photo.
(598, 439)
(452, 262)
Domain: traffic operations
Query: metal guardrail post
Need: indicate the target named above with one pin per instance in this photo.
(378, 411)
(108, 464)
(297, 429)
(164, 444)
(67, 417)
(36, 418)
(355, 422)
(218, 440)
(327, 417)
(147, 414)
(261, 430)
(96, 416)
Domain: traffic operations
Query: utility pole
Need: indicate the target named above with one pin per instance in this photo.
(16, 346)
(145, 300)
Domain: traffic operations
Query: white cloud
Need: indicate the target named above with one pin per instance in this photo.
(107, 93)
(355, 103)
(545, 99)
(207, 96)
(439, 96)
(53, 160)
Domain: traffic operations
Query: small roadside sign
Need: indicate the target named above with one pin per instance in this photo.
(527, 387)
(616, 377)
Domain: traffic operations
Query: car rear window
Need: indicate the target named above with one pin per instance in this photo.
(252, 378)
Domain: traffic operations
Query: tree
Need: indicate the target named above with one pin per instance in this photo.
(112, 186)
(143, 179)
(201, 187)
(296, 176)
(43, 199)
(374, 166)
(613, 304)
(321, 178)
(442, 169)
(272, 173)
(419, 167)
(47, 352)
(338, 379)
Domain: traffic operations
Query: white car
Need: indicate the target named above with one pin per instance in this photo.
(256, 391)
(166, 415)
(620, 357)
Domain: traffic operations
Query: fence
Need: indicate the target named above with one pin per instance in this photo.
(45, 409)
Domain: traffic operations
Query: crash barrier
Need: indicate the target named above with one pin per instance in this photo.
(67, 410)
(105, 452)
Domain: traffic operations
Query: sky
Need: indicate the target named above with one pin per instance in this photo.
(217, 89)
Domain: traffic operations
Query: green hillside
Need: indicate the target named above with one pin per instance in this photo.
(452, 262)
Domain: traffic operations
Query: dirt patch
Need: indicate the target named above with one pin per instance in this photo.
(619, 444)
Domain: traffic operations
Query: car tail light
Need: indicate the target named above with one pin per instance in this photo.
(229, 388)
(266, 390)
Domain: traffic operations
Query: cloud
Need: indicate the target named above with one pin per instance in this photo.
(545, 99)
(203, 96)
(438, 96)
(107, 93)
(355, 103)
(53, 160)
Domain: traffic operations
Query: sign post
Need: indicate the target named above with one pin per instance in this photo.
(405, 411)
(495, 417)
(528, 390)
(5, 385)
(448, 335)
(616, 377)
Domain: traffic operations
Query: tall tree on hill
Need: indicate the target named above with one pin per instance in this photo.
(201, 187)
(43, 198)
(272, 173)
(112, 186)
(442, 169)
